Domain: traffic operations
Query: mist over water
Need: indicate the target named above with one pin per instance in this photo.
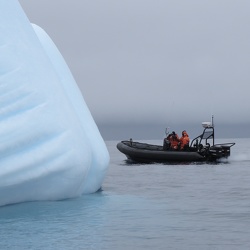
(155, 130)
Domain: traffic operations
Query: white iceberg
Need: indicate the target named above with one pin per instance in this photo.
(50, 146)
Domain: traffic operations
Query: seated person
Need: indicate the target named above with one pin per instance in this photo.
(184, 140)
(171, 142)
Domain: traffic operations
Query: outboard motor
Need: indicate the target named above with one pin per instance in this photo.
(166, 144)
(226, 150)
(215, 152)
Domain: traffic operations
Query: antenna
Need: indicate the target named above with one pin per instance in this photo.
(212, 121)
(166, 131)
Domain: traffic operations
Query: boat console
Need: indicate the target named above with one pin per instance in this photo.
(205, 144)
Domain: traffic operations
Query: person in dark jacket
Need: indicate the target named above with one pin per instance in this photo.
(172, 140)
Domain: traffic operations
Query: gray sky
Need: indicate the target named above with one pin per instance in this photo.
(154, 62)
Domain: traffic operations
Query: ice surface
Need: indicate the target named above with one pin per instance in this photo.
(50, 146)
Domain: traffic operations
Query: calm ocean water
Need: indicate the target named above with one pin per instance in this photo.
(192, 206)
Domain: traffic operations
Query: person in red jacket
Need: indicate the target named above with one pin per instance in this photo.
(174, 140)
(184, 140)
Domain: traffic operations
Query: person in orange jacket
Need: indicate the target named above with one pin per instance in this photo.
(184, 140)
(174, 140)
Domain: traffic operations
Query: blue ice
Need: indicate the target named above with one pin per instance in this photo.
(50, 146)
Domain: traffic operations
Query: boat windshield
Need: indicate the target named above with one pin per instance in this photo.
(208, 134)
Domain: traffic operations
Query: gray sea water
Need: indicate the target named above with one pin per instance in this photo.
(155, 206)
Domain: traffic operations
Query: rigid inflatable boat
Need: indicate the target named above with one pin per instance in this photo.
(201, 148)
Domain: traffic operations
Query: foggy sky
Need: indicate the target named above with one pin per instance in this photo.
(154, 61)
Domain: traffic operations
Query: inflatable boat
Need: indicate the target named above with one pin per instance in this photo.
(201, 148)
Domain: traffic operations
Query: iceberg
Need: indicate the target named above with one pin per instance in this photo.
(50, 146)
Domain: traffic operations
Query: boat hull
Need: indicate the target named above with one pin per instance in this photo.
(143, 152)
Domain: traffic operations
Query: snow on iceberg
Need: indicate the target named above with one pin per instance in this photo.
(50, 146)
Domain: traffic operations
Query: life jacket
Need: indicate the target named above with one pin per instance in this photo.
(174, 141)
(184, 140)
